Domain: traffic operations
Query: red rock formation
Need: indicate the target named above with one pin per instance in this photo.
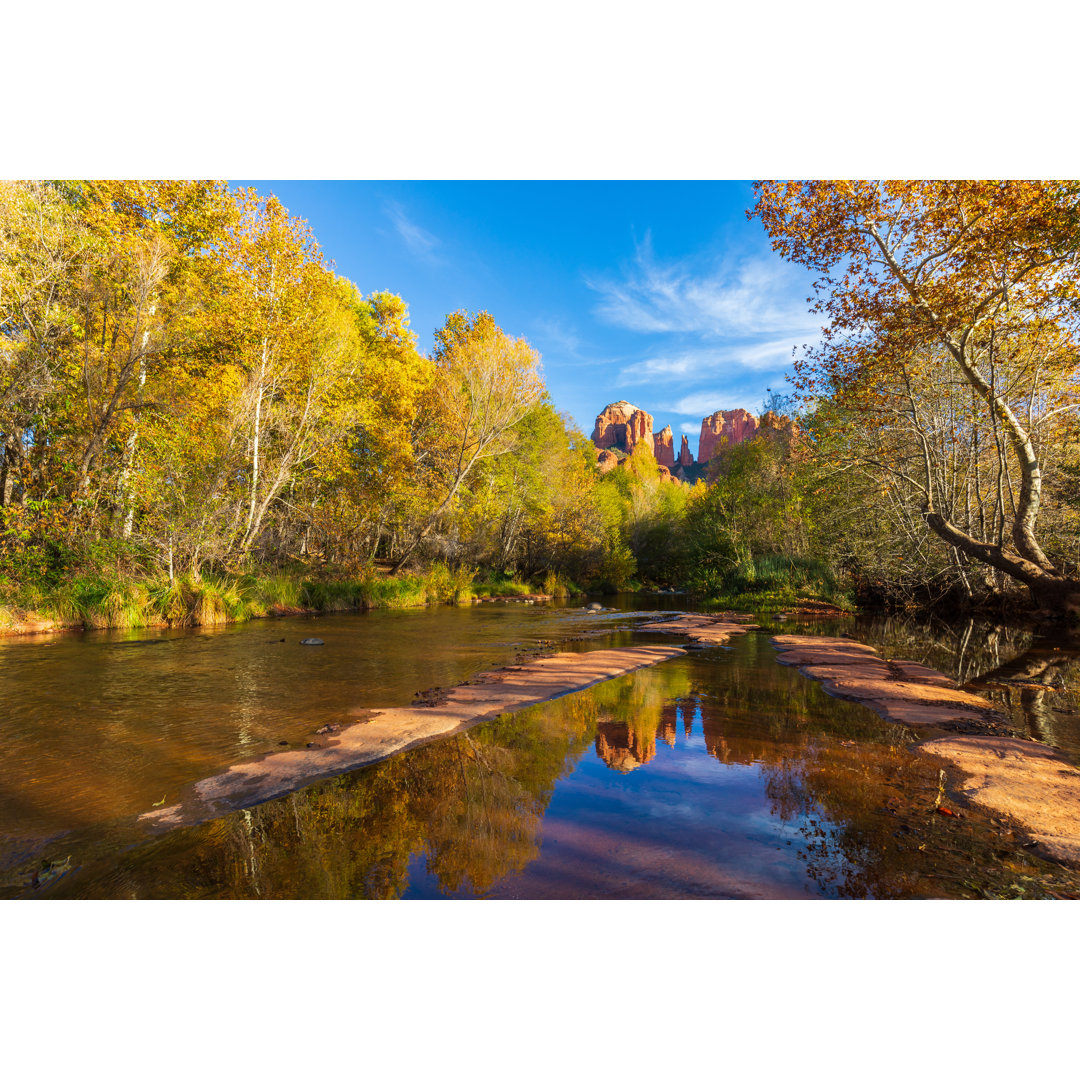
(725, 428)
(606, 461)
(622, 425)
(776, 425)
(664, 448)
(685, 457)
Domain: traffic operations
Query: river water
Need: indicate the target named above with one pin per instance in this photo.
(718, 774)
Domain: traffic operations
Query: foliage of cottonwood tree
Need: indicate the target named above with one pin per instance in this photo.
(187, 385)
(950, 354)
(484, 385)
(536, 509)
(39, 245)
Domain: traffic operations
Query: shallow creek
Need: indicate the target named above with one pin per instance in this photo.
(717, 774)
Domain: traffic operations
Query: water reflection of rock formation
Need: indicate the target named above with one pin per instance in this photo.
(737, 750)
(621, 748)
(625, 746)
(651, 714)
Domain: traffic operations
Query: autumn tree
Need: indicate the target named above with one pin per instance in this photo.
(187, 386)
(535, 510)
(41, 243)
(751, 524)
(922, 280)
(373, 484)
(485, 383)
(133, 293)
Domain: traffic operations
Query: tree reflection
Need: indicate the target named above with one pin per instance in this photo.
(462, 815)
(1036, 679)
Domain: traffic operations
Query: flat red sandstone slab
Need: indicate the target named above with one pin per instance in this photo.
(802, 657)
(704, 629)
(868, 672)
(914, 672)
(389, 731)
(1026, 781)
(864, 682)
(919, 713)
(815, 642)
(898, 690)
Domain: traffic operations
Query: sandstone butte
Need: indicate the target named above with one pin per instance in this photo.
(384, 732)
(725, 428)
(685, 457)
(1026, 781)
(621, 426)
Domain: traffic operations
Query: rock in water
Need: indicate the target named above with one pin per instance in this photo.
(313, 641)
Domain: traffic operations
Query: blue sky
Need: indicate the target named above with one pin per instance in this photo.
(660, 293)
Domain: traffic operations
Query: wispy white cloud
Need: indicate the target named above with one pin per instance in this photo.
(734, 296)
(707, 361)
(553, 334)
(705, 402)
(418, 240)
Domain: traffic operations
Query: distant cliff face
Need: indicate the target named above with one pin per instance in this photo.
(664, 448)
(725, 428)
(621, 426)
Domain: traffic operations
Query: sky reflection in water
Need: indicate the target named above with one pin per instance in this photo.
(723, 774)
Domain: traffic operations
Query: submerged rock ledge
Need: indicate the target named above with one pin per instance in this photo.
(1026, 781)
(389, 731)
(704, 629)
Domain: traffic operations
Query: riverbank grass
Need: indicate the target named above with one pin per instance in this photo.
(98, 601)
(770, 583)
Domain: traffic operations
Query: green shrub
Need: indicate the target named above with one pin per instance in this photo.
(768, 582)
(498, 583)
(555, 584)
